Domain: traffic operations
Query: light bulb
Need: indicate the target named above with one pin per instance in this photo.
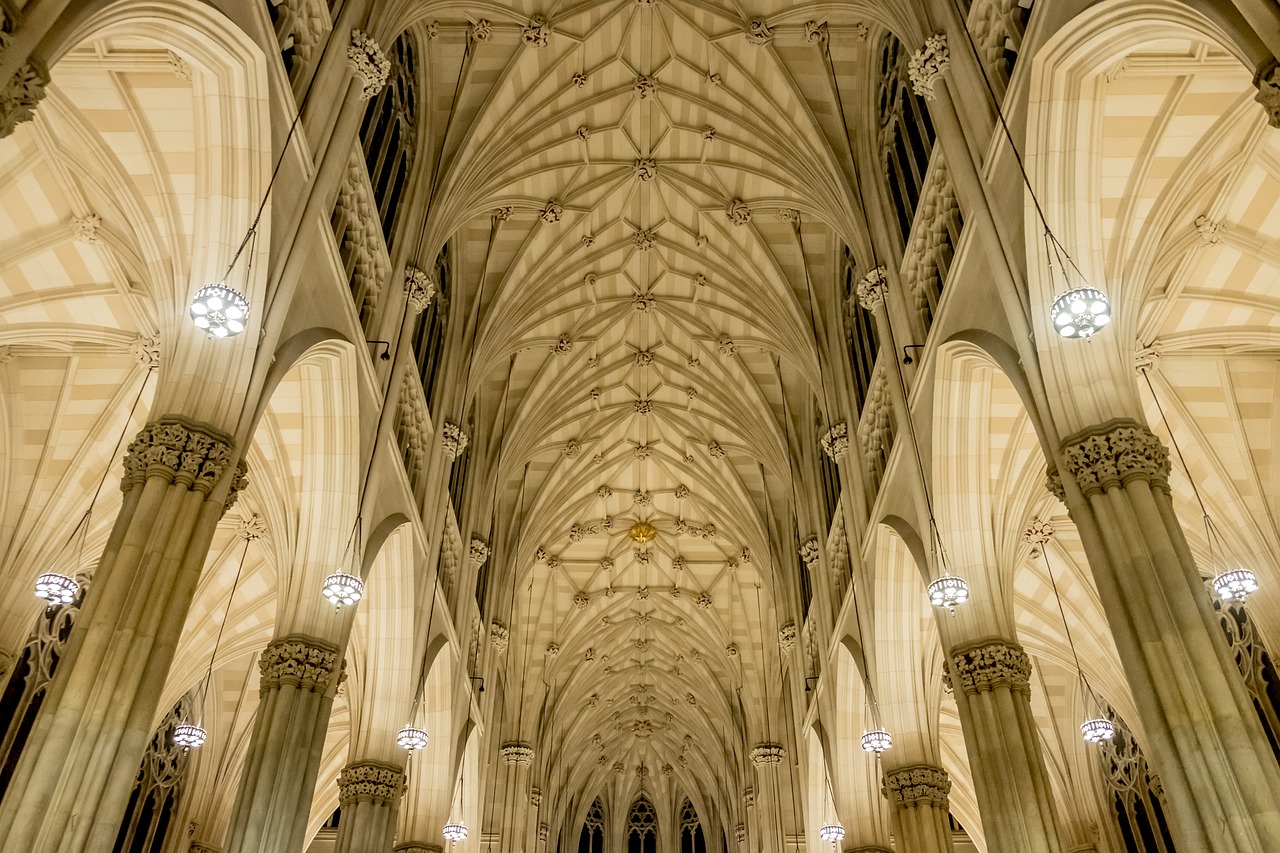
(56, 588)
(343, 589)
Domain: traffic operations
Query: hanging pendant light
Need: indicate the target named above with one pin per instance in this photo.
(342, 589)
(1080, 312)
(1097, 730)
(219, 310)
(832, 833)
(877, 740)
(188, 736)
(948, 591)
(412, 738)
(1235, 585)
(56, 588)
(455, 831)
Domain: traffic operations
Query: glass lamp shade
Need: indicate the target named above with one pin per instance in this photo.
(832, 833)
(412, 739)
(948, 591)
(877, 741)
(56, 588)
(188, 736)
(1230, 586)
(1096, 731)
(455, 831)
(219, 310)
(343, 589)
(1080, 312)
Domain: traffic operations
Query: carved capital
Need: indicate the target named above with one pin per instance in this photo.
(146, 350)
(479, 551)
(369, 63)
(499, 636)
(1113, 454)
(1053, 482)
(419, 289)
(1267, 81)
(740, 833)
(301, 662)
(20, 95)
(417, 847)
(370, 782)
(989, 664)
(239, 480)
(453, 439)
(516, 752)
(927, 64)
(872, 288)
(767, 754)
(787, 638)
(918, 784)
(180, 451)
(835, 441)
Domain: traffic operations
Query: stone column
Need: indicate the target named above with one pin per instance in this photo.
(299, 678)
(874, 848)
(369, 794)
(919, 795)
(72, 784)
(767, 758)
(417, 847)
(1202, 733)
(517, 758)
(991, 678)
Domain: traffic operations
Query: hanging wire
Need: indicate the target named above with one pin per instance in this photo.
(222, 626)
(1066, 626)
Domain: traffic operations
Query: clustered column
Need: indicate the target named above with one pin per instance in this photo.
(766, 757)
(299, 677)
(369, 794)
(991, 679)
(518, 758)
(73, 781)
(920, 797)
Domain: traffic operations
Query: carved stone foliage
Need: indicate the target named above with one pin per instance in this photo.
(21, 94)
(835, 441)
(499, 637)
(871, 289)
(517, 753)
(370, 782)
(481, 30)
(300, 26)
(810, 551)
(759, 32)
(981, 668)
(301, 662)
(180, 451)
(918, 784)
(419, 289)
(1268, 84)
(537, 33)
(1113, 453)
(738, 212)
(815, 32)
(478, 551)
(767, 754)
(927, 65)
(369, 62)
(787, 638)
(453, 439)
(146, 349)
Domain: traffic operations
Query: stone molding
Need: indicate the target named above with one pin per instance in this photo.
(517, 752)
(1114, 453)
(183, 452)
(1267, 81)
(918, 784)
(988, 664)
(370, 782)
(767, 754)
(299, 661)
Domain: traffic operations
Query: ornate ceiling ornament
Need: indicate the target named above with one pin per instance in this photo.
(580, 602)
(787, 638)
(84, 229)
(251, 527)
(502, 214)
(767, 754)
(927, 64)
(982, 668)
(740, 834)
(571, 449)
(580, 80)
(835, 442)
(1113, 453)
(642, 498)
(738, 212)
(643, 302)
(644, 169)
(644, 358)
(453, 439)
(553, 562)
(815, 32)
(714, 79)
(516, 752)
(645, 87)
(419, 289)
(584, 133)
(872, 289)
(553, 650)
(642, 452)
(1038, 532)
(540, 556)
(537, 33)
(726, 346)
(479, 551)
(433, 30)
(642, 594)
(145, 349)
(810, 551)
(709, 134)
(1210, 230)
(499, 637)
(745, 554)
(481, 30)
(1268, 83)
(643, 407)
(731, 650)
(918, 784)
(644, 239)
(787, 214)
(759, 32)
(703, 602)
(552, 211)
(369, 63)
(716, 451)
(604, 493)
(563, 346)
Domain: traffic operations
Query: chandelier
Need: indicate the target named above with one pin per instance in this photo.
(832, 833)
(56, 588)
(877, 741)
(455, 831)
(1097, 730)
(412, 739)
(948, 591)
(188, 736)
(343, 589)
(1080, 312)
(1234, 585)
(219, 310)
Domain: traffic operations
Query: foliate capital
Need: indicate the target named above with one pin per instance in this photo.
(767, 754)
(299, 661)
(20, 95)
(369, 62)
(990, 664)
(927, 64)
(370, 782)
(418, 847)
(419, 289)
(872, 289)
(1268, 83)
(516, 752)
(1115, 453)
(499, 636)
(918, 784)
(180, 451)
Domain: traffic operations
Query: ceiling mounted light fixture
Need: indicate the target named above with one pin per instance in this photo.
(1080, 312)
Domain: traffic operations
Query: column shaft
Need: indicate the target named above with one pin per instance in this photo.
(72, 784)
(767, 758)
(299, 678)
(517, 759)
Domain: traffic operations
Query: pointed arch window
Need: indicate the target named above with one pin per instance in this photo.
(1137, 797)
(906, 132)
(428, 336)
(691, 838)
(642, 827)
(157, 789)
(591, 839)
(389, 134)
